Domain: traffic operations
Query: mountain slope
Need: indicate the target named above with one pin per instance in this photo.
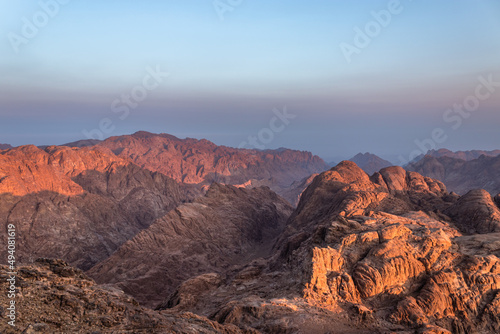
(296, 189)
(226, 227)
(476, 212)
(370, 163)
(5, 146)
(83, 143)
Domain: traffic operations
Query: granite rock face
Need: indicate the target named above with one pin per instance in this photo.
(476, 212)
(28, 169)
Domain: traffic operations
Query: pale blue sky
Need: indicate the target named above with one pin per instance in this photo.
(227, 76)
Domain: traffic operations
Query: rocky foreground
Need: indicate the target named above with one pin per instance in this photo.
(56, 298)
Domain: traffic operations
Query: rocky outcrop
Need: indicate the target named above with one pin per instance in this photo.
(202, 162)
(462, 299)
(396, 267)
(347, 190)
(476, 212)
(53, 297)
(370, 163)
(377, 256)
(461, 176)
(228, 226)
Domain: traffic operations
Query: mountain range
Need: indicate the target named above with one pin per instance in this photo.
(155, 234)
(200, 162)
(462, 155)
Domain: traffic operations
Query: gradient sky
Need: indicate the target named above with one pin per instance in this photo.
(227, 76)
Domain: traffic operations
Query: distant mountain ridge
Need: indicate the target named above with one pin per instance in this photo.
(5, 146)
(201, 162)
(83, 143)
(370, 163)
(194, 161)
(463, 155)
(461, 175)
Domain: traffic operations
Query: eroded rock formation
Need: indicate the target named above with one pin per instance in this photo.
(476, 212)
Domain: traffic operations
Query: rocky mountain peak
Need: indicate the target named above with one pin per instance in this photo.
(347, 190)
